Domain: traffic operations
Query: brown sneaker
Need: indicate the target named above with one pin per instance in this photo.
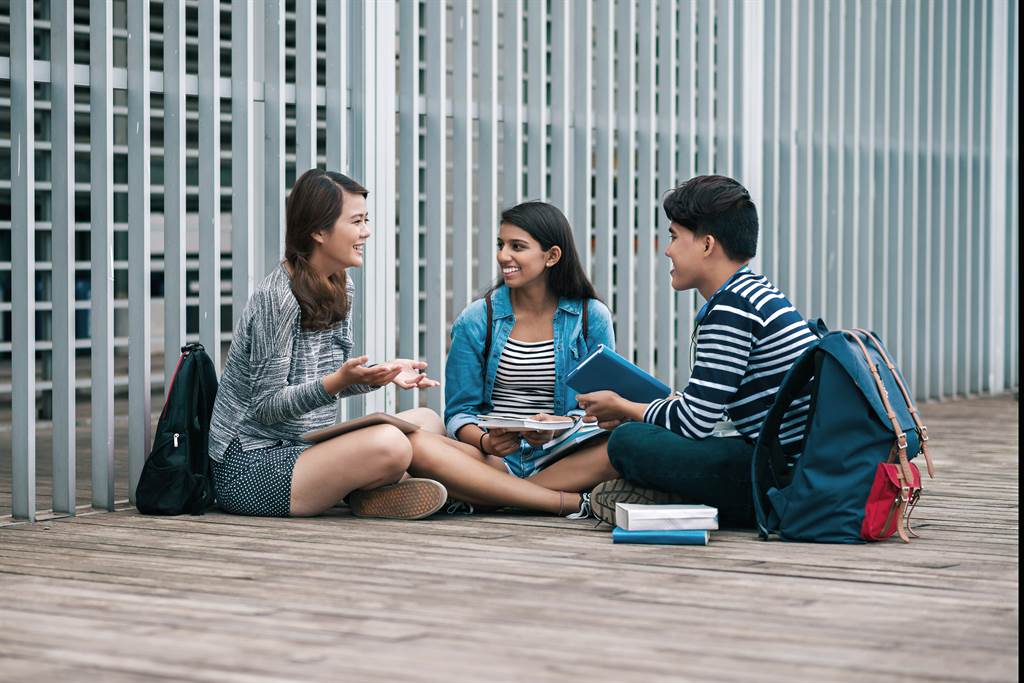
(408, 499)
(606, 494)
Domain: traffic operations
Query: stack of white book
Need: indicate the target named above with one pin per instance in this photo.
(664, 524)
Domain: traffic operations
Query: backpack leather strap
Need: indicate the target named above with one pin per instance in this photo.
(899, 449)
(922, 431)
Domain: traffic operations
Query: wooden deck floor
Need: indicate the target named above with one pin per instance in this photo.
(118, 596)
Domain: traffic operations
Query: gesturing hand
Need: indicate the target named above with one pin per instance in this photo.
(353, 371)
(412, 376)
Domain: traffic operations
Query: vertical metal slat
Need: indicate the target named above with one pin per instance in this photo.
(462, 155)
(209, 180)
(687, 168)
(274, 120)
(305, 85)
(604, 151)
(435, 283)
(537, 113)
(243, 171)
(667, 83)
(63, 204)
(102, 251)
(646, 194)
(409, 192)
(487, 155)
(139, 243)
(23, 300)
(174, 185)
(581, 213)
(625, 223)
(512, 102)
(563, 175)
(337, 95)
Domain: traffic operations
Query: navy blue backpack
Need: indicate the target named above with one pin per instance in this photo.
(853, 481)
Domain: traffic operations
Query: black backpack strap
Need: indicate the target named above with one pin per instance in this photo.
(768, 466)
(487, 343)
(586, 321)
(204, 392)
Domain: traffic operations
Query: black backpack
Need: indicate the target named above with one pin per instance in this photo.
(178, 477)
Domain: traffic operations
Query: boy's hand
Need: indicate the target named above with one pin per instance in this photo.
(537, 437)
(609, 409)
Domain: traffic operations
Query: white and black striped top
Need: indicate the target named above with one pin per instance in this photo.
(524, 384)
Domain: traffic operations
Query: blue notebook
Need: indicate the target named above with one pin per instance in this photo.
(605, 369)
(662, 537)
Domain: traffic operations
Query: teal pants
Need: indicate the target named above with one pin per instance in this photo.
(713, 471)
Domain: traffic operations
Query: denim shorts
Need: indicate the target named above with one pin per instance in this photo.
(256, 482)
(525, 462)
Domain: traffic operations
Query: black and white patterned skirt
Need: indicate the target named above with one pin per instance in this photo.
(257, 482)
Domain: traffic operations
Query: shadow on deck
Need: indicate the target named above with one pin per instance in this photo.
(503, 597)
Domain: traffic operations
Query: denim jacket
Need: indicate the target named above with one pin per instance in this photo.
(467, 392)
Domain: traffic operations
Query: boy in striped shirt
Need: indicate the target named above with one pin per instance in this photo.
(747, 337)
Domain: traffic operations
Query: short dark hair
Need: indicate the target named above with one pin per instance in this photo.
(718, 206)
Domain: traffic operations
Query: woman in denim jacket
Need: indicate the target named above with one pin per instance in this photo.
(537, 338)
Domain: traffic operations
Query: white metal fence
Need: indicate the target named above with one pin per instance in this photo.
(152, 144)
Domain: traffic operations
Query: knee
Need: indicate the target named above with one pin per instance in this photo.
(622, 442)
(423, 455)
(428, 420)
(391, 449)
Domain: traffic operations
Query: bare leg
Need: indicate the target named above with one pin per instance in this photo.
(473, 481)
(580, 471)
(363, 459)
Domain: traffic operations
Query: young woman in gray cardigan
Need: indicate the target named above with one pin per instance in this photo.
(290, 361)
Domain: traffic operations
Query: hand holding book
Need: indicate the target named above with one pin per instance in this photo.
(609, 409)
(539, 437)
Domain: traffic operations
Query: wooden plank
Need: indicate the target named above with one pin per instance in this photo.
(521, 596)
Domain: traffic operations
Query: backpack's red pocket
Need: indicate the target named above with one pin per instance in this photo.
(889, 502)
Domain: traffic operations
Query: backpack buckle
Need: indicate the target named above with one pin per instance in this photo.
(901, 441)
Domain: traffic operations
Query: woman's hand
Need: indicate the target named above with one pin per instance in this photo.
(500, 442)
(538, 437)
(411, 375)
(353, 371)
(609, 409)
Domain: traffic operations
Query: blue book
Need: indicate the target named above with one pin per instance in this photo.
(662, 537)
(604, 369)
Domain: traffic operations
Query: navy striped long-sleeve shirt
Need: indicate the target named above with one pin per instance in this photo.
(746, 342)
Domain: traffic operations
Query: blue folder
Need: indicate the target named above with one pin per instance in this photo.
(605, 369)
(662, 537)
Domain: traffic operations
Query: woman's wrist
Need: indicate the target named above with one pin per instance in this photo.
(483, 446)
(334, 382)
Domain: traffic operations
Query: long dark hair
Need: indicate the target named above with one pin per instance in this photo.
(548, 225)
(314, 206)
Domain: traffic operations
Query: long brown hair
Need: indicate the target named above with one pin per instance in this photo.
(314, 205)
